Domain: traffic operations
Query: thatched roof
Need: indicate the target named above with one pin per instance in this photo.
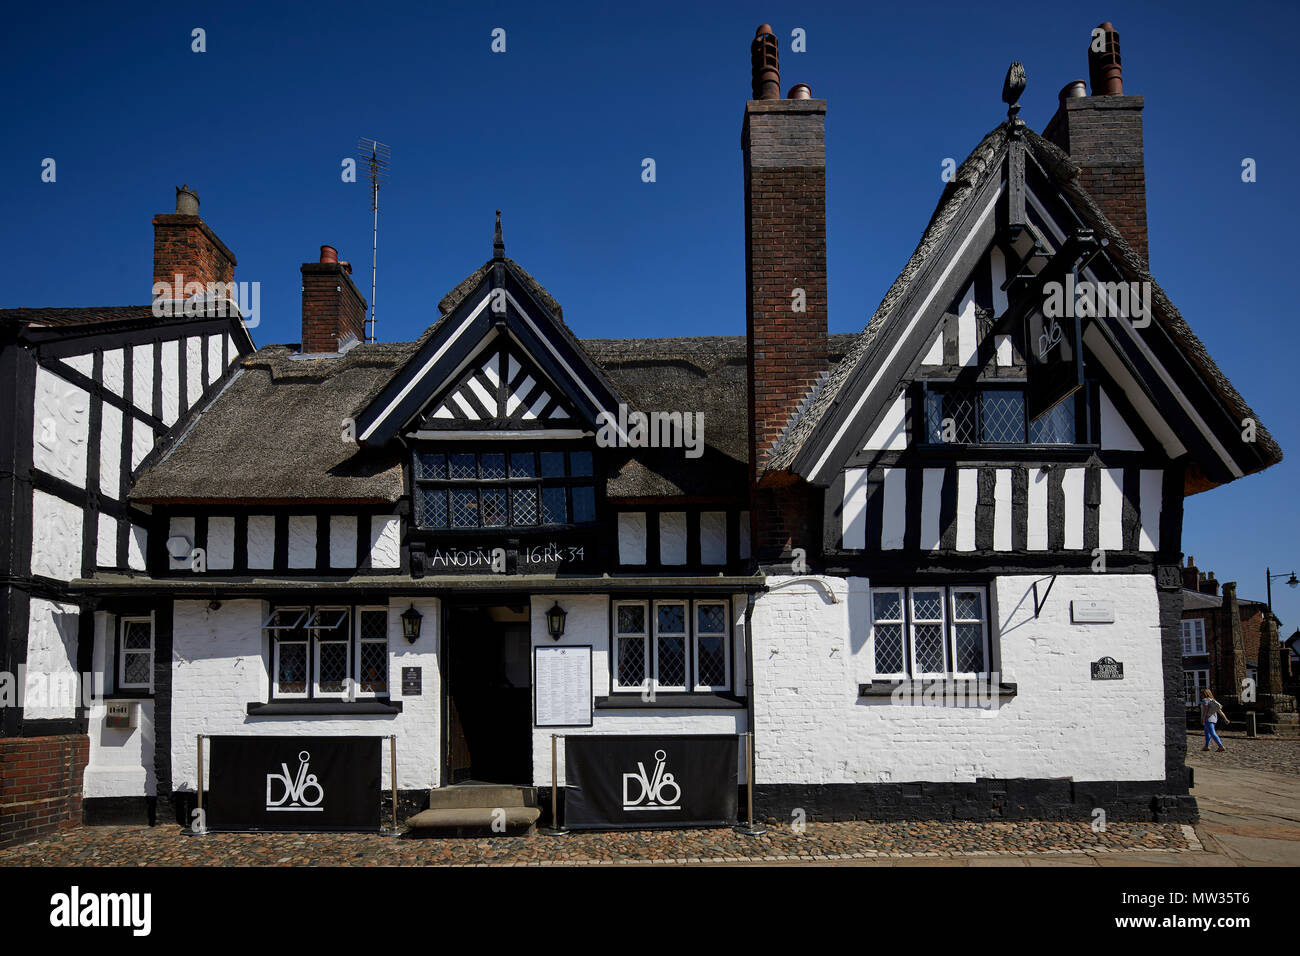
(985, 160)
(77, 316)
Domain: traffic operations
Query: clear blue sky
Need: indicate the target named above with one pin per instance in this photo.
(553, 132)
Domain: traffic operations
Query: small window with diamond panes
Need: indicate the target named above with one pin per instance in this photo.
(930, 632)
(471, 489)
(672, 646)
(328, 652)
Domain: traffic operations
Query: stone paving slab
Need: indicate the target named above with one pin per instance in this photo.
(840, 842)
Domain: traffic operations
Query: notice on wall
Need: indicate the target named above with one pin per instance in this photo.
(562, 686)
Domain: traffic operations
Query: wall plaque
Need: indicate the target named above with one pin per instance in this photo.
(1107, 669)
(412, 679)
(1093, 612)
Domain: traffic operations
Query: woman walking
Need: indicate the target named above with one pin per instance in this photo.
(1211, 710)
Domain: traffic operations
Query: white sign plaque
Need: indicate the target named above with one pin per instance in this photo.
(562, 686)
(1093, 612)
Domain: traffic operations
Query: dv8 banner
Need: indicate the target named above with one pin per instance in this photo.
(634, 783)
(294, 783)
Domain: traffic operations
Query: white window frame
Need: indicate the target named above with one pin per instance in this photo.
(943, 626)
(907, 624)
(685, 635)
(644, 635)
(122, 622)
(1192, 634)
(725, 634)
(902, 629)
(317, 640)
(356, 664)
(1200, 680)
(951, 607)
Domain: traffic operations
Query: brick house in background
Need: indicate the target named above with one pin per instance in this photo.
(879, 527)
(1210, 611)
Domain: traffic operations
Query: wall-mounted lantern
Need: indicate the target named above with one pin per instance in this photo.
(555, 621)
(411, 621)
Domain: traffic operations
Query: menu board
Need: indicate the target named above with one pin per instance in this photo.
(562, 686)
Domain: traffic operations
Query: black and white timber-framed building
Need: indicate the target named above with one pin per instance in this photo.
(894, 557)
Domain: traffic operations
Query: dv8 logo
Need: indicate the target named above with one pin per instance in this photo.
(295, 788)
(652, 795)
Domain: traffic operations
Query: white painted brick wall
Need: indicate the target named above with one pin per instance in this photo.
(220, 664)
(588, 623)
(811, 654)
(121, 759)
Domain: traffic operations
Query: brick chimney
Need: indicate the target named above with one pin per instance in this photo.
(184, 246)
(784, 146)
(1209, 585)
(1103, 134)
(785, 246)
(333, 311)
(1191, 576)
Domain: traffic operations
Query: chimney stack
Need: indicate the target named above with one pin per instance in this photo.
(783, 141)
(1102, 133)
(333, 310)
(184, 246)
(1191, 576)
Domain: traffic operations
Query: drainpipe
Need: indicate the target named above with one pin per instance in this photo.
(749, 678)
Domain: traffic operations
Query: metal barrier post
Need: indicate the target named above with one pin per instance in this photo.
(198, 824)
(748, 828)
(555, 829)
(395, 829)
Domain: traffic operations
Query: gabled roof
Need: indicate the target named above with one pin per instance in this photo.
(807, 446)
(87, 315)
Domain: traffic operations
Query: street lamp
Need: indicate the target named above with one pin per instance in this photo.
(1292, 582)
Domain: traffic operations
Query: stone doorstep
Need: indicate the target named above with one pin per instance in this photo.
(473, 821)
(471, 795)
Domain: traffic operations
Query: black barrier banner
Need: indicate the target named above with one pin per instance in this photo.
(634, 783)
(294, 783)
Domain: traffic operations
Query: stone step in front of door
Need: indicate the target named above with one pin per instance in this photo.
(473, 821)
(466, 795)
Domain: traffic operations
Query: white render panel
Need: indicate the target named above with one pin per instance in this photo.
(1002, 509)
(1115, 433)
(261, 542)
(142, 377)
(385, 541)
(136, 545)
(231, 350)
(215, 364)
(967, 498)
(1110, 514)
(171, 382)
(1072, 483)
(931, 505)
(193, 370)
(998, 270)
(810, 654)
(891, 433)
(180, 526)
(219, 665)
(967, 333)
(713, 537)
(854, 514)
(631, 537)
(141, 442)
(60, 428)
(934, 356)
(115, 372)
(1036, 505)
(672, 537)
(302, 541)
(106, 543)
(51, 680)
(588, 623)
(56, 537)
(221, 543)
(893, 522)
(110, 451)
(1151, 491)
(343, 541)
(85, 364)
(1003, 345)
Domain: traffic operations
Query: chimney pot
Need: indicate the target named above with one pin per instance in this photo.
(764, 57)
(1105, 69)
(1072, 90)
(800, 91)
(329, 254)
(187, 201)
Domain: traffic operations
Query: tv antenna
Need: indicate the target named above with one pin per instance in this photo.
(376, 155)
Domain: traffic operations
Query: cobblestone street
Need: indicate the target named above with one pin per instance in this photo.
(1270, 754)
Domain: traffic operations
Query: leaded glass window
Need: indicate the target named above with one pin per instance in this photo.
(470, 489)
(994, 416)
(135, 664)
(672, 646)
(930, 632)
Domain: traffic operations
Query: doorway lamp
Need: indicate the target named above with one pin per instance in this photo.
(555, 621)
(411, 621)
